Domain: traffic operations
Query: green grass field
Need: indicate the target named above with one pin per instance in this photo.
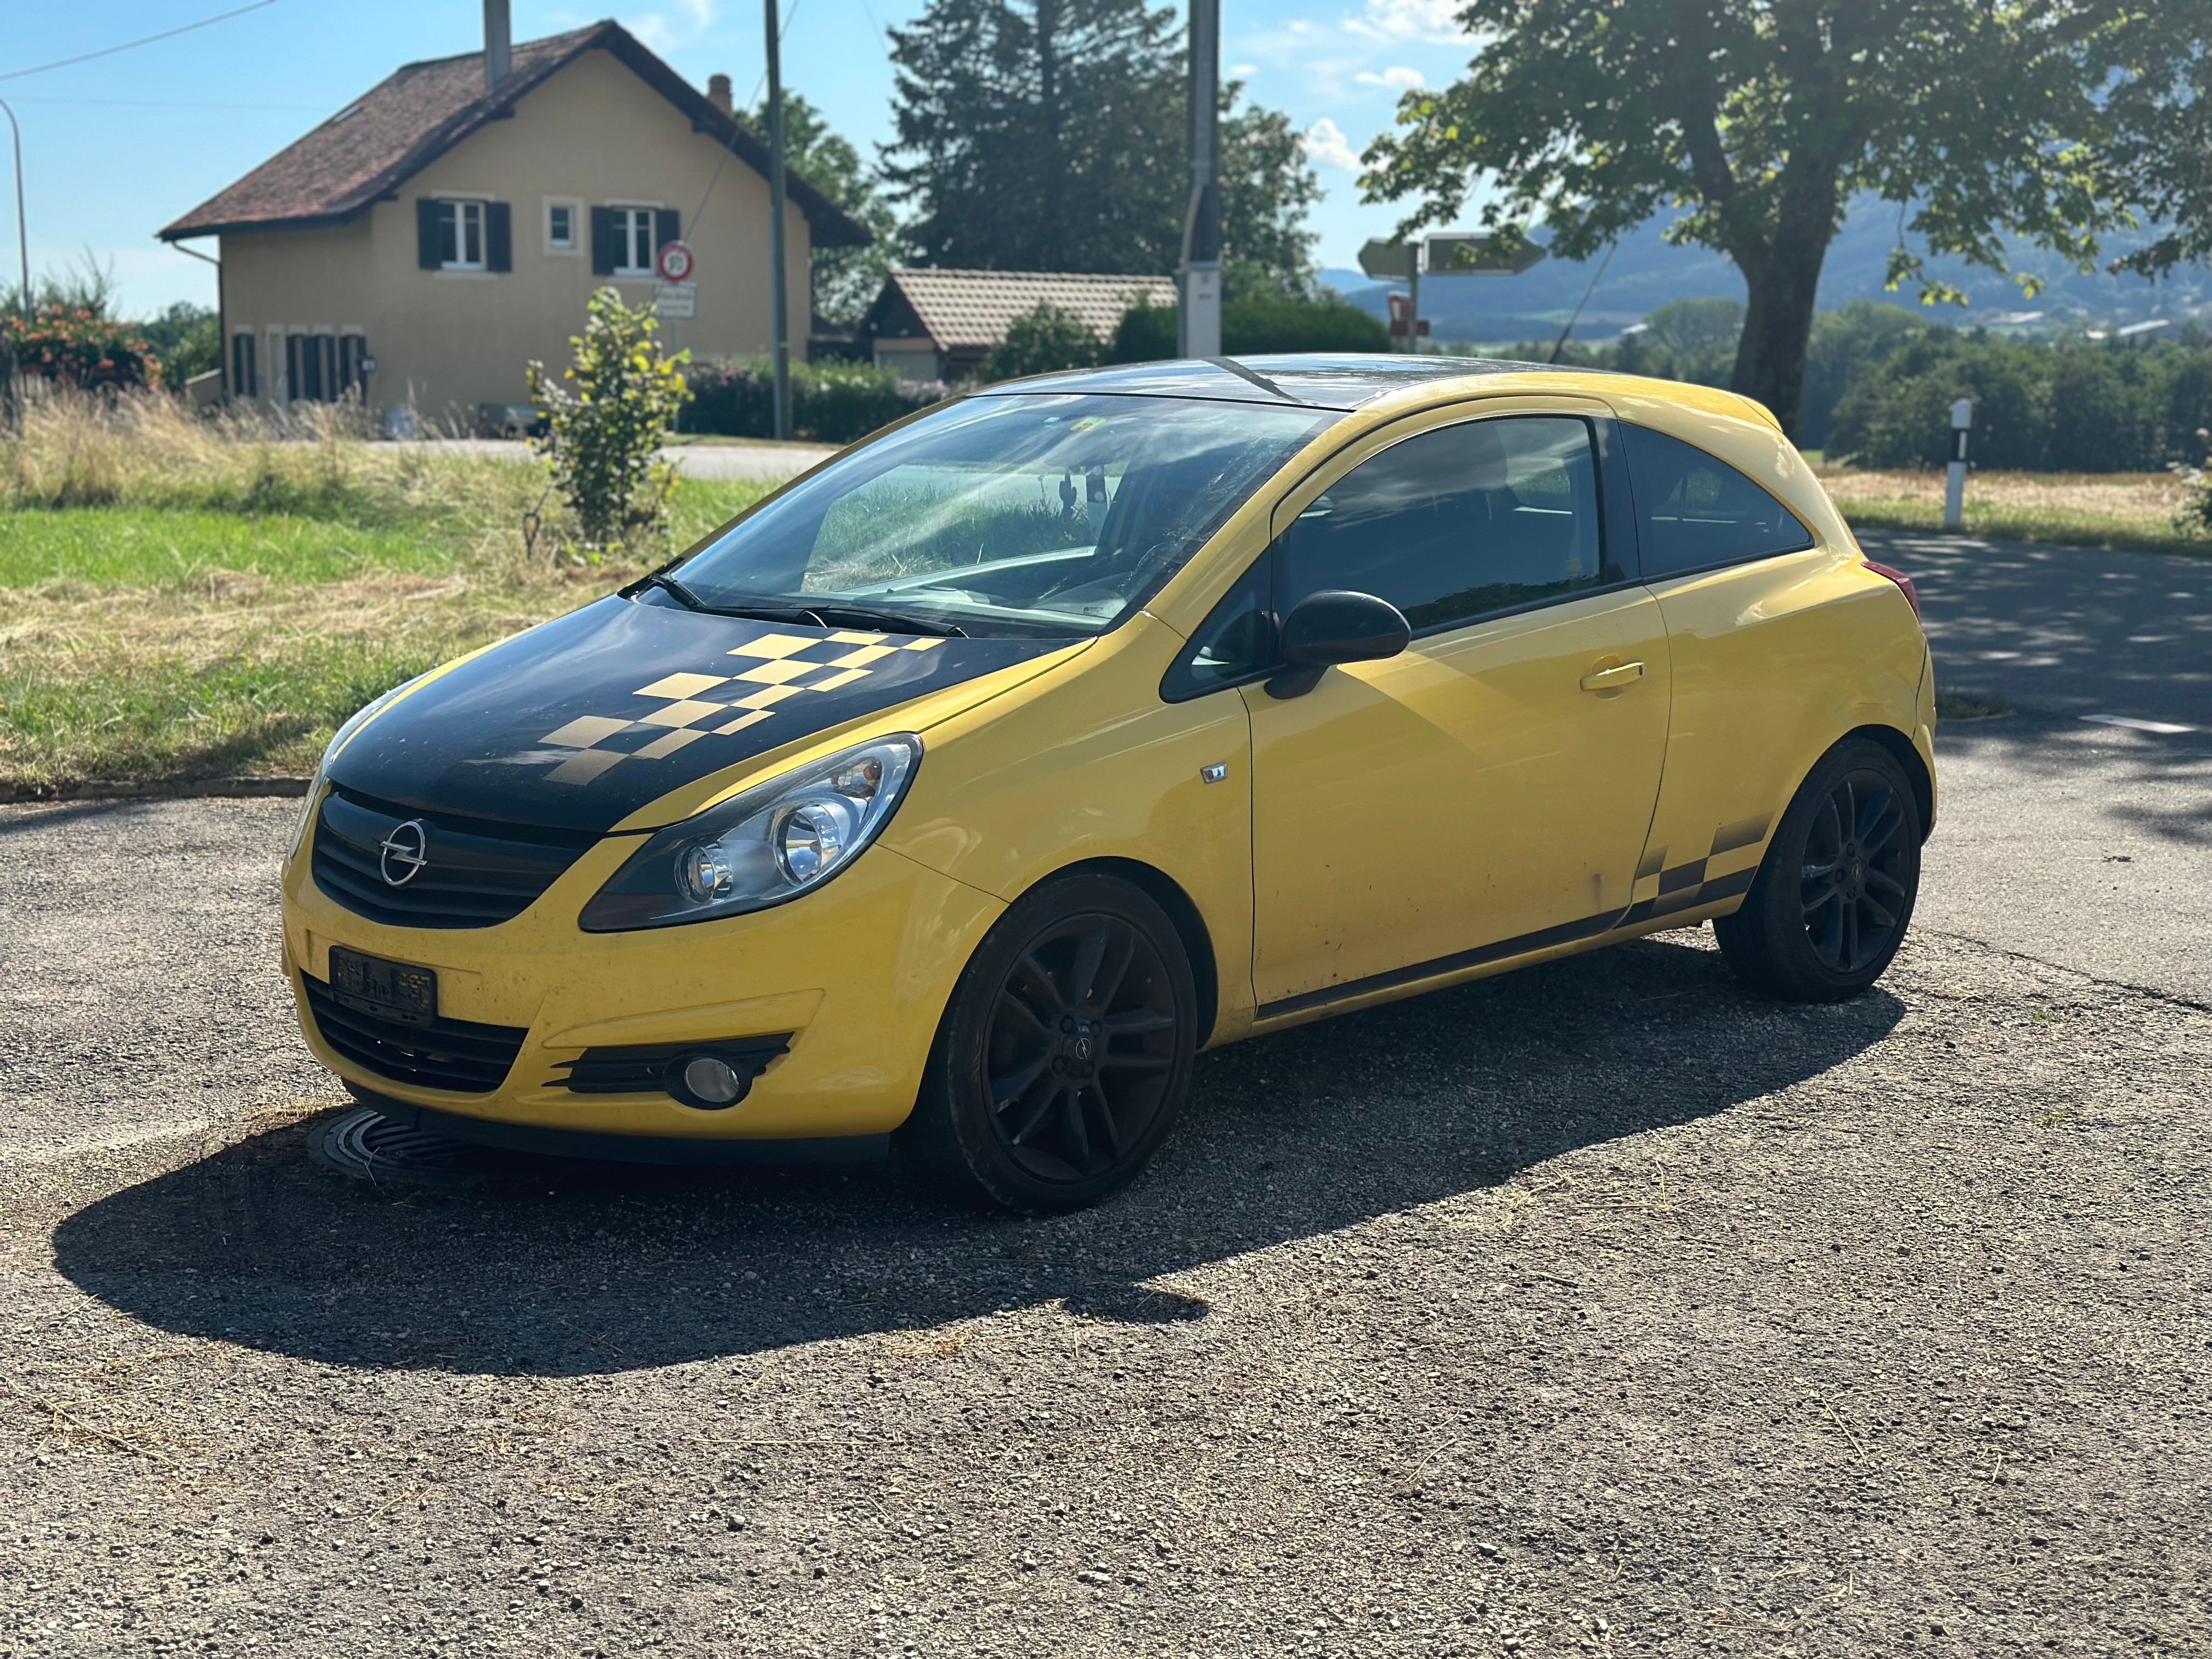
(159, 627)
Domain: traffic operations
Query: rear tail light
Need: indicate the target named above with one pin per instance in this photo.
(1911, 593)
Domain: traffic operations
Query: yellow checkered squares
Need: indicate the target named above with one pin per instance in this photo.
(583, 733)
(774, 646)
(681, 714)
(778, 674)
(681, 685)
(775, 668)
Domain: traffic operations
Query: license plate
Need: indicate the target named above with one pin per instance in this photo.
(392, 989)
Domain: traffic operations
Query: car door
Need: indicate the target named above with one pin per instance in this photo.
(1487, 792)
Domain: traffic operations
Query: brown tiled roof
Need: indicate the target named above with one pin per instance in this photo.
(370, 148)
(974, 308)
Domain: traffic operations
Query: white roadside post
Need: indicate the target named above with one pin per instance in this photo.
(1955, 485)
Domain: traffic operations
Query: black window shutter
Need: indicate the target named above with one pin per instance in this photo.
(426, 233)
(292, 368)
(605, 256)
(499, 237)
(667, 229)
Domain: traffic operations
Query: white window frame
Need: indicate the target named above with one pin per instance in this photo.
(636, 219)
(466, 210)
(579, 225)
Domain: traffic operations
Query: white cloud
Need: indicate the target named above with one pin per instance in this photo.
(683, 22)
(1410, 19)
(1242, 71)
(1325, 143)
(1398, 78)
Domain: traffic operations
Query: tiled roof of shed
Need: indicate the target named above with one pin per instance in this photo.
(373, 146)
(974, 308)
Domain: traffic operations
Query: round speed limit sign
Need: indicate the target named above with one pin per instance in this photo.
(675, 262)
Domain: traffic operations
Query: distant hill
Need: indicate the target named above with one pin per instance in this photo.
(1645, 273)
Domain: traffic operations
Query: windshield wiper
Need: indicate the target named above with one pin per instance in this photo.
(818, 616)
(903, 621)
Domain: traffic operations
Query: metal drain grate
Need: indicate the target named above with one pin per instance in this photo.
(369, 1146)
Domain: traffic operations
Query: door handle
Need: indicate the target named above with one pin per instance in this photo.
(1613, 678)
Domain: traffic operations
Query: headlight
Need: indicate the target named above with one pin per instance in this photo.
(306, 811)
(783, 838)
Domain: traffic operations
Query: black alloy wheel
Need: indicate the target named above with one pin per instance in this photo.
(1835, 892)
(1065, 1056)
(1854, 894)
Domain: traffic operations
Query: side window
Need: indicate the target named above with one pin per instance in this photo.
(1694, 512)
(1456, 524)
(1235, 643)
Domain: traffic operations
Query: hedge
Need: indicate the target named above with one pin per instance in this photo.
(830, 403)
(1260, 323)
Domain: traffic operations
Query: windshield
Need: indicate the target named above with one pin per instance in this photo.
(1026, 515)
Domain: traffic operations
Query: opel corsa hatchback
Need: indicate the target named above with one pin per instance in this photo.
(959, 792)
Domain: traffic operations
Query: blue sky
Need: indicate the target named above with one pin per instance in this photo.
(115, 149)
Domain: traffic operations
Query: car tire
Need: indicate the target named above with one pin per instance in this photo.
(1834, 895)
(1064, 1057)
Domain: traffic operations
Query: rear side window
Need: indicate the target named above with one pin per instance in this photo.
(1459, 523)
(1694, 511)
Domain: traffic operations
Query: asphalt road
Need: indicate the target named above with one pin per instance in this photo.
(761, 463)
(1599, 1308)
(2064, 836)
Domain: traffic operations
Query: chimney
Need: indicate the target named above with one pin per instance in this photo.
(499, 44)
(718, 94)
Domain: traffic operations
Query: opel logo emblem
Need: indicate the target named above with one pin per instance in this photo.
(1082, 1048)
(404, 853)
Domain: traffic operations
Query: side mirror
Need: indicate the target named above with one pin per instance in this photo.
(1336, 626)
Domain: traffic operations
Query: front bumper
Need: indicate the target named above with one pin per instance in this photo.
(858, 973)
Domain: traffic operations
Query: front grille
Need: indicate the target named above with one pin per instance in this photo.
(476, 872)
(447, 1054)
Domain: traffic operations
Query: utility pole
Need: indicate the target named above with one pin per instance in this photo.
(8, 386)
(779, 299)
(1199, 316)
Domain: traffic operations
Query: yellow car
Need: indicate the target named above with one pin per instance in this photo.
(956, 795)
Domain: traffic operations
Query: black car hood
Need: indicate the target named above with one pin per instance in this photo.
(580, 722)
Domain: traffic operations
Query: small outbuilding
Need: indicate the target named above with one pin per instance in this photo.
(934, 324)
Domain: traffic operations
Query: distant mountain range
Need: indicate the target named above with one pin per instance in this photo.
(1645, 273)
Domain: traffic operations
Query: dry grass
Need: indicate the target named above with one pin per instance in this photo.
(2124, 510)
(189, 598)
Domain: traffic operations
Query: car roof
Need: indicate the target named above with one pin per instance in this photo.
(1321, 380)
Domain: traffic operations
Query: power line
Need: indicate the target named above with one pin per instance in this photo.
(147, 40)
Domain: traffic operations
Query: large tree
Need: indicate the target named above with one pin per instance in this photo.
(1758, 121)
(2163, 149)
(1049, 135)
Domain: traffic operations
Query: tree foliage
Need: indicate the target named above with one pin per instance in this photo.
(1049, 135)
(1039, 342)
(605, 419)
(845, 279)
(1756, 122)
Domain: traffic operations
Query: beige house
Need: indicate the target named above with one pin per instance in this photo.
(938, 324)
(422, 244)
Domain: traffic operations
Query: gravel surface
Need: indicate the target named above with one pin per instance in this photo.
(1595, 1309)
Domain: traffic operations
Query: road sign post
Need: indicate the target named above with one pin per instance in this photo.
(1954, 482)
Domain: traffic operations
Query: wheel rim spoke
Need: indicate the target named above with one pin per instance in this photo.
(1089, 957)
(1137, 1061)
(1106, 1119)
(1036, 1117)
(1040, 978)
(1006, 1090)
(1136, 1024)
(1024, 1014)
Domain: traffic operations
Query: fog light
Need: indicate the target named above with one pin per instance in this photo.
(704, 1081)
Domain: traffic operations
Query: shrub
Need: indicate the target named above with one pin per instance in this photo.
(602, 439)
(1041, 340)
(1254, 323)
(76, 347)
(186, 338)
(830, 403)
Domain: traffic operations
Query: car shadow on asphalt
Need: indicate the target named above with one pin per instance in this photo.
(569, 1269)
